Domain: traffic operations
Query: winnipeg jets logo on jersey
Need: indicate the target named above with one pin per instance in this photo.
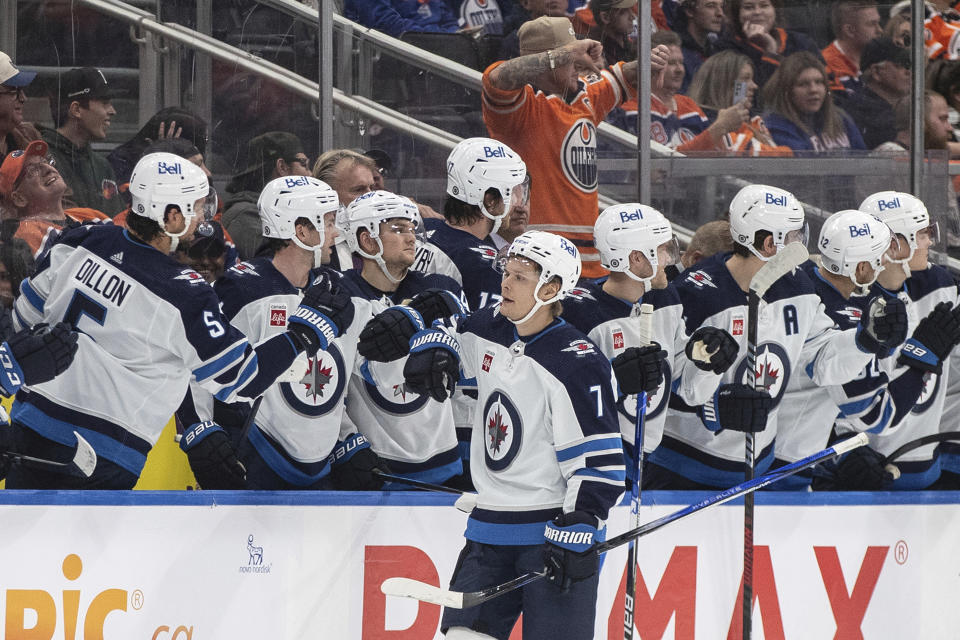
(656, 401)
(243, 268)
(395, 399)
(772, 371)
(502, 431)
(578, 155)
(853, 313)
(486, 253)
(931, 383)
(582, 294)
(190, 276)
(318, 391)
(701, 279)
(580, 348)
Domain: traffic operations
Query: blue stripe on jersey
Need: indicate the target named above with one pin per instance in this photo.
(248, 372)
(505, 534)
(285, 468)
(20, 319)
(31, 295)
(365, 373)
(610, 443)
(221, 363)
(857, 406)
(919, 474)
(703, 468)
(60, 431)
(439, 468)
(614, 475)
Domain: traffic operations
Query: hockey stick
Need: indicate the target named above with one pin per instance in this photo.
(407, 588)
(894, 470)
(645, 326)
(466, 502)
(785, 260)
(82, 465)
(248, 422)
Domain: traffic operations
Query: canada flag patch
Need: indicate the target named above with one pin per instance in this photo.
(278, 315)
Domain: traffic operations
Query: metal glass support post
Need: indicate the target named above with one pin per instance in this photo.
(917, 15)
(325, 40)
(643, 103)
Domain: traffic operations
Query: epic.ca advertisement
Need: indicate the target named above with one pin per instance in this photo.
(297, 571)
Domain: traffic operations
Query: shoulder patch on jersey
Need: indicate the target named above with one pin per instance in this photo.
(486, 253)
(190, 276)
(701, 279)
(853, 313)
(242, 268)
(581, 294)
(580, 347)
(277, 315)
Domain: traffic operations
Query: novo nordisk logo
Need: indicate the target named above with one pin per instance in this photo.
(255, 561)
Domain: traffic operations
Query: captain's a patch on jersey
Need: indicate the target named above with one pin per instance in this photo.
(580, 347)
(701, 279)
(278, 315)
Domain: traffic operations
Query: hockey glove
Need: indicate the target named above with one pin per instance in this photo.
(434, 304)
(570, 551)
(639, 369)
(712, 349)
(862, 470)
(932, 340)
(737, 407)
(387, 336)
(36, 355)
(352, 464)
(323, 315)
(212, 457)
(884, 328)
(433, 367)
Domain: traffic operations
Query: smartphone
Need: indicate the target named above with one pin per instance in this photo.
(739, 92)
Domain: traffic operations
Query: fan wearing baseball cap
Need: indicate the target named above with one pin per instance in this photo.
(14, 132)
(82, 109)
(32, 190)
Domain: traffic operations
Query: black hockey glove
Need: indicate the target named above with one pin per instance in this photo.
(36, 355)
(387, 336)
(570, 548)
(434, 304)
(212, 458)
(737, 407)
(716, 352)
(932, 340)
(323, 315)
(352, 465)
(884, 328)
(639, 369)
(433, 367)
(862, 469)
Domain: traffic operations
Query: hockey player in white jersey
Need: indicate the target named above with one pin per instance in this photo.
(149, 325)
(546, 445)
(795, 337)
(412, 433)
(636, 244)
(298, 439)
(932, 316)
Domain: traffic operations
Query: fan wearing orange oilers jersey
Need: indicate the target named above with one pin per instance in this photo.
(636, 243)
(931, 291)
(794, 337)
(539, 106)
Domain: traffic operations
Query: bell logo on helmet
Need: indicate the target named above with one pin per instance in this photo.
(780, 201)
(172, 169)
(299, 181)
(569, 248)
(494, 152)
(636, 216)
(856, 232)
(367, 196)
(882, 205)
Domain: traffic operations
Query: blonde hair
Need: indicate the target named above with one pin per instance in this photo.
(325, 166)
(712, 84)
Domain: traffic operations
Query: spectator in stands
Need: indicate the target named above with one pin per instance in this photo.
(16, 264)
(538, 106)
(485, 15)
(713, 90)
(676, 120)
(801, 112)
(384, 165)
(82, 110)
(614, 24)
(884, 79)
(169, 122)
(753, 31)
(855, 23)
(206, 253)
(709, 239)
(518, 215)
(699, 23)
(271, 155)
(943, 77)
(394, 17)
(14, 132)
(527, 10)
(351, 175)
(33, 191)
(898, 29)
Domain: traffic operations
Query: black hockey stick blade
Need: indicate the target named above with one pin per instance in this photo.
(785, 261)
(407, 588)
(466, 502)
(82, 465)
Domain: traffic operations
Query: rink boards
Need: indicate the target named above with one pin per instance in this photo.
(297, 566)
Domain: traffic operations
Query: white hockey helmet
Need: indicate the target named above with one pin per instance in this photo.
(759, 207)
(163, 179)
(367, 212)
(557, 258)
(285, 200)
(478, 164)
(850, 237)
(904, 213)
(629, 227)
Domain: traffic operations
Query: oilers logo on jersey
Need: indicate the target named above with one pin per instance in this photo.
(578, 155)
(772, 371)
(323, 384)
(503, 431)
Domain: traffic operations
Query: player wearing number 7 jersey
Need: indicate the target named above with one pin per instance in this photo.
(148, 326)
